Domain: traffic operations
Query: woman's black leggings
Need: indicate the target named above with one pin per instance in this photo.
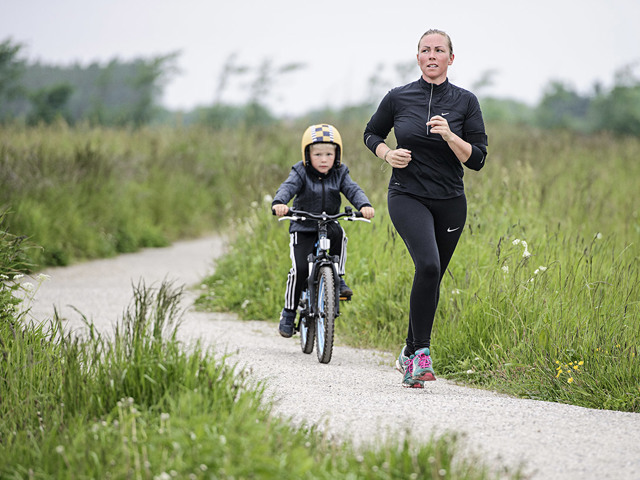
(430, 230)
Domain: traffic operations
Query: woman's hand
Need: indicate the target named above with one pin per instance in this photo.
(440, 126)
(367, 212)
(281, 209)
(399, 158)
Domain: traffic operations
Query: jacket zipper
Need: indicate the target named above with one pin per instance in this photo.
(429, 108)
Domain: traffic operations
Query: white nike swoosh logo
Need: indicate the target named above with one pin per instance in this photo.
(443, 114)
(452, 229)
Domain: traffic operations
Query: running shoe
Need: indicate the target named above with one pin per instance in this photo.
(408, 381)
(403, 357)
(287, 319)
(422, 367)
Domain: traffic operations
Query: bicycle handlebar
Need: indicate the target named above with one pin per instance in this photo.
(296, 215)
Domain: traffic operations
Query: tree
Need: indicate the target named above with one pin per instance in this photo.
(562, 107)
(49, 104)
(147, 82)
(11, 69)
(619, 111)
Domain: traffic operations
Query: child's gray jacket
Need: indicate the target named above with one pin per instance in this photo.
(318, 193)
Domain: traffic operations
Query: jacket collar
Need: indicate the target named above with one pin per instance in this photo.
(436, 88)
(312, 171)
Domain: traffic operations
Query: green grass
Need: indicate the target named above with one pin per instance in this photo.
(92, 192)
(560, 323)
(135, 404)
(566, 332)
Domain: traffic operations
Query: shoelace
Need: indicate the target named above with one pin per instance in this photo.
(424, 361)
(408, 364)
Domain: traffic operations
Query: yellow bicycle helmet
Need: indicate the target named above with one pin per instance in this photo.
(322, 133)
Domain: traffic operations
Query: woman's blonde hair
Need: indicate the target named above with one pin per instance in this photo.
(435, 31)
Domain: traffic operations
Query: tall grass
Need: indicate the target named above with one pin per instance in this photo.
(542, 296)
(135, 404)
(507, 321)
(93, 192)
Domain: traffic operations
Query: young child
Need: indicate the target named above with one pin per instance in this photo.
(316, 182)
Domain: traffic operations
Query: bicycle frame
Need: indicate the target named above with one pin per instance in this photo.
(319, 307)
(320, 259)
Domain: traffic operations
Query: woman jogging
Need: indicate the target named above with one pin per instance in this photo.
(439, 128)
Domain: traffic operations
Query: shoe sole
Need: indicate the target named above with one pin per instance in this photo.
(284, 334)
(425, 377)
(415, 385)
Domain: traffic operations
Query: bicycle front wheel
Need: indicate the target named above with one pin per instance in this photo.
(326, 314)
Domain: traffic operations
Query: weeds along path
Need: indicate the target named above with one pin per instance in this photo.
(358, 395)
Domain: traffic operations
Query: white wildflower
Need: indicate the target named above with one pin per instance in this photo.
(267, 199)
(599, 236)
(42, 277)
(505, 268)
(516, 241)
(28, 286)
(245, 304)
(455, 291)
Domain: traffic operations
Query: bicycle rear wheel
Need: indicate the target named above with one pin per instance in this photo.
(325, 321)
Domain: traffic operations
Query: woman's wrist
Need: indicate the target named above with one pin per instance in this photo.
(384, 157)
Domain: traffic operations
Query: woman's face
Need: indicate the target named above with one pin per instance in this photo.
(434, 58)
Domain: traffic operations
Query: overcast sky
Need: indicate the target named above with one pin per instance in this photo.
(342, 45)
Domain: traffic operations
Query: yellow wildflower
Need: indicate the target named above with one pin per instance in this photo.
(570, 379)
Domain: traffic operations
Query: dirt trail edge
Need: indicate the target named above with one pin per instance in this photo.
(358, 395)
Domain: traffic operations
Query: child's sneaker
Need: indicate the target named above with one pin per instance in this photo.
(287, 319)
(345, 291)
(408, 381)
(422, 366)
(401, 359)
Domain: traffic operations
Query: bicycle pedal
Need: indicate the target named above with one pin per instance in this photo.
(345, 298)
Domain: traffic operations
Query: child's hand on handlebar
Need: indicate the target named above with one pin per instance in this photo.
(367, 212)
(280, 209)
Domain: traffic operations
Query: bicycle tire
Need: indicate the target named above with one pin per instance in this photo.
(326, 314)
(307, 333)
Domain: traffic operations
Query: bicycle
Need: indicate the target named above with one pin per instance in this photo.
(318, 307)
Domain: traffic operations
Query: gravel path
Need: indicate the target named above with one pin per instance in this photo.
(361, 397)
